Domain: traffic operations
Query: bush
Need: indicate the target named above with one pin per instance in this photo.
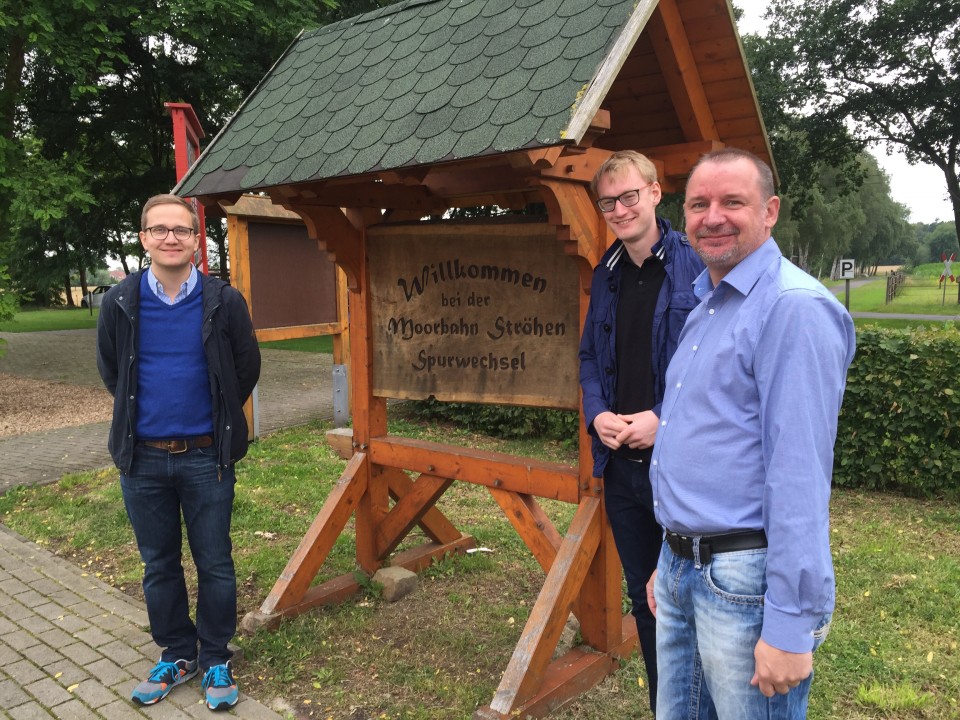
(900, 423)
(504, 421)
(899, 427)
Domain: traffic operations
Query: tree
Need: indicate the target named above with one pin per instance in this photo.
(892, 67)
(85, 83)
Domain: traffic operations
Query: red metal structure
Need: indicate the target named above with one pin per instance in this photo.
(186, 148)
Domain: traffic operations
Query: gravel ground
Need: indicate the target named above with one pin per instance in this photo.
(28, 405)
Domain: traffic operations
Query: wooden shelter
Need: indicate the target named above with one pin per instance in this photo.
(368, 127)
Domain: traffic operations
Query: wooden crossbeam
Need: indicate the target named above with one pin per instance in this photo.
(414, 501)
(317, 543)
(481, 467)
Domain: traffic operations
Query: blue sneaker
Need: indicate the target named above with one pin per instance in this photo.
(164, 677)
(219, 687)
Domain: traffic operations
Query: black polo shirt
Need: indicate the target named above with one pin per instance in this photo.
(639, 288)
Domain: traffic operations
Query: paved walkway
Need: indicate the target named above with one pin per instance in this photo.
(70, 645)
(294, 389)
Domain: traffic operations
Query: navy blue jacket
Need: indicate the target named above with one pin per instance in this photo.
(233, 364)
(598, 358)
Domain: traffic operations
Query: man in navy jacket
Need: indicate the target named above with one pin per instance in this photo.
(640, 296)
(177, 351)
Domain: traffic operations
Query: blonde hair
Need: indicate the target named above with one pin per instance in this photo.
(621, 160)
(167, 199)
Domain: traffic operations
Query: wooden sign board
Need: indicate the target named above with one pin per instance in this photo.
(474, 313)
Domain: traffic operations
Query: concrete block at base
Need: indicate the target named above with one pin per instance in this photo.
(397, 582)
(253, 621)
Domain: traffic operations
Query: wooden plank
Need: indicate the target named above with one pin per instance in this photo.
(527, 666)
(566, 678)
(531, 523)
(601, 594)
(413, 502)
(433, 522)
(481, 467)
(736, 109)
(722, 70)
(297, 331)
(313, 549)
(680, 72)
(733, 89)
(473, 312)
(340, 441)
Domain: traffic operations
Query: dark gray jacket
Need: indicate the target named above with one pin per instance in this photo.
(233, 364)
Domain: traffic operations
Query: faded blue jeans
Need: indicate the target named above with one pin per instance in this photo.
(161, 486)
(709, 619)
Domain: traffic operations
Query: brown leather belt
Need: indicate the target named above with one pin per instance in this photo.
(180, 445)
(711, 545)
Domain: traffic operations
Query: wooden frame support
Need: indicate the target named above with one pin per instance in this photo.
(391, 485)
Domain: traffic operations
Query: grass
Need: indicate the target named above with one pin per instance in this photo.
(37, 320)
(438, 654)
(317, 344)
(919, 295)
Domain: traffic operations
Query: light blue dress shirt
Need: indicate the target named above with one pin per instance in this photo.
(748, 426)
(185, 289)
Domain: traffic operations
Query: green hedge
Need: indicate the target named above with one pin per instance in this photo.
(899, 426)
(900, 423)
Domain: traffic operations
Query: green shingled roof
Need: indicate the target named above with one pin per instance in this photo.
(414, 83)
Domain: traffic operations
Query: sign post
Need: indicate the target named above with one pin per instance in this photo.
(846, 273)
(186, 149)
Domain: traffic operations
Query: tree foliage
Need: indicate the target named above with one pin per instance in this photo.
(83, 87)
(890, 69)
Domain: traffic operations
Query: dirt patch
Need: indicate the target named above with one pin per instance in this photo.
(28, 405)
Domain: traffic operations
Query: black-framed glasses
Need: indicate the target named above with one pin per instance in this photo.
(627, 199)
(160, 232)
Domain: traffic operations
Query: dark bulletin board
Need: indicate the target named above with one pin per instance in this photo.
(292, 281)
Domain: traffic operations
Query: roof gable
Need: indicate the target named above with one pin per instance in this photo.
(427, 82)
(416, 83)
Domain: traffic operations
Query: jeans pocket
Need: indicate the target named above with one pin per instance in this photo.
(738, 577)
(820, 634)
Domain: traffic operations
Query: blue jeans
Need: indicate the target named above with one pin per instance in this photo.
(629, 503)
(709, 618)
(161, 486)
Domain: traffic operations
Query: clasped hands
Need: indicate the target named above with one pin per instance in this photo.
(638, 430)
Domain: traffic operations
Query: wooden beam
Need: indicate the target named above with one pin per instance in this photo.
(525, 672)
(669, 39)
(313, 549)
(335, 234)
(413, 502)
(297, 331)
(531, 523)
(481, 467)
(433, 522)
(678, 159)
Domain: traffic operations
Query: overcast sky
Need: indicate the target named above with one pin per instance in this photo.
(921, 188)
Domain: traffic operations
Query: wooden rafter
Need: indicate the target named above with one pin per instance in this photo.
(669, 39)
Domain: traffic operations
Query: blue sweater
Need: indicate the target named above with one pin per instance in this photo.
(174, 399)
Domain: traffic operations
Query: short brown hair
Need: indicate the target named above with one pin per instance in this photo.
(167, 199)
(732, 154)
(621, 160)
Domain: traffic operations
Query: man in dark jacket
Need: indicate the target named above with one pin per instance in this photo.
(640, 296)
(176, 349)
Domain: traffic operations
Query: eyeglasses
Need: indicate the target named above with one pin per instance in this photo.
(159, 232)
(627, 199)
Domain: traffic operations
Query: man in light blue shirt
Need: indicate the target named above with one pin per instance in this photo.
(742, 464)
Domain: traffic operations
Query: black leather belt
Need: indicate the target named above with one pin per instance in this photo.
(711, 545)
(180, 445)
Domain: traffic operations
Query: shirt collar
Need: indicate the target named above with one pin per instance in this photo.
(744, 275)
(185, 289)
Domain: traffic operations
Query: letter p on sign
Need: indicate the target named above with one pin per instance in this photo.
(846, 269)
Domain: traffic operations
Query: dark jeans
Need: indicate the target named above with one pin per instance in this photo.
(629, 502)
(159, 487)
